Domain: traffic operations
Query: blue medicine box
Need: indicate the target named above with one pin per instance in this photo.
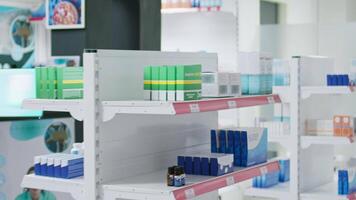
(214, 140)
(37, 165)
(253, 146)
(230, 142)
(205, 166)
(347, 181)
(221, 164)
(188, 165)
(197, 166)
(284, 174)
(237, 148)
(44, 165)
(222, 141)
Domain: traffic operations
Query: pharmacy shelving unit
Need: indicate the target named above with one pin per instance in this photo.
(312, 157)
(130, 143)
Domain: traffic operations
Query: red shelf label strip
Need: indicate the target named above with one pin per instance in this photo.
(222, 104)
(223, 181)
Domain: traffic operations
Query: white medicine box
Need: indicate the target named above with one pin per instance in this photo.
(215, 84)
(234, 87)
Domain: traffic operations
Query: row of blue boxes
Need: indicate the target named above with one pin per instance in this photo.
(338, 80)
(207, 165)
(273, 178)
(346, 181)
(65, 166)
(248, 145)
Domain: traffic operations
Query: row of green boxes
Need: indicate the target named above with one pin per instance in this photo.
(172, 83)
(59, 82)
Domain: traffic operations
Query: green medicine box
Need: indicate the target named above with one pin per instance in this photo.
(52, 82)
(155, 83)
(70, 82)
(38, 71)
(171, 83)
(163, 83)
(188, 82)
(44, 83)
(147, 79)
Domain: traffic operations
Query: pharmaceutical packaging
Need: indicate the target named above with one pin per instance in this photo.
(215, 84)
(147, 83)
(172, 83)
(346, 181)
(281, 72)
(188, 82)
(256, 73)
(249, 145)
(59, 82)
(234, 87)
(155, 82)
(343, 125)
(65, 166)
(163, 73)
(265, 181)
(70, 82)
(211, 164)
(338, 80)
(253, 146)
(319, 127)
(284, 170)
(276, 128)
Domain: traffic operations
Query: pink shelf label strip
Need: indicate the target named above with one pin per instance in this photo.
(222, 104)
(220, 182)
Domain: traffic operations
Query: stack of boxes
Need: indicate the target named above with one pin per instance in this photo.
(65, 166)
(221, 84)
(172, 83)
(207, 164)
(338, 80)
(59, 82)
(341, 125)
(248, 145)
(256, 73)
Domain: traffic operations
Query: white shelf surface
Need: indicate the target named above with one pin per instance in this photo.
(306, 141)
(74, 107)
(73, 186)
(111, 108)
(308, 91)
(324, 192)
(280, 191)
(153, 186)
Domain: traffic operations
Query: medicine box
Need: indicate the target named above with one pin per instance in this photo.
(70, 82)
(147, 83)
(171, 83)
(343, 126)
(155, 83)
(215, 84)
(211, 164)
(59, 165)
(188, 83)
(234, 87)
(346, 181)
(319, 127)
(253, 146)
(266, 180)
(52, 82)
(163, 73)
(284, 173)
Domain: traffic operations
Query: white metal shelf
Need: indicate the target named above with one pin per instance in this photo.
(153, 186)
(74, 107)
(280, 191)
(308, 91)
(324, 192)
(306, 141)
(73, 186)
(111, 108)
